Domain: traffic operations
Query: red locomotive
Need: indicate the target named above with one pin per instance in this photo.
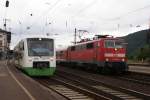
(103, 53)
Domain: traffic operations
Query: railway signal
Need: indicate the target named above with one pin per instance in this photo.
(7, 4)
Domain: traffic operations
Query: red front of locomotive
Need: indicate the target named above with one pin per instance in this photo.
(113, 50)
(112, 54)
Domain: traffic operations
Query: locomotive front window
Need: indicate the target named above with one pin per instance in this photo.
(90, 45)
(113, 44)
(40, 47)
(119, 44)
(73, 48)
(109, 44)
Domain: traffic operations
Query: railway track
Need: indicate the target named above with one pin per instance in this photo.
(75, 87)
(67, 90)
(135, 77)
(107, 90)
(70, 91)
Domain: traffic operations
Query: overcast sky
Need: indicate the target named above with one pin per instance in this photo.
(58, 18)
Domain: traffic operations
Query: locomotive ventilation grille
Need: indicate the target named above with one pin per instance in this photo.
(43, 64)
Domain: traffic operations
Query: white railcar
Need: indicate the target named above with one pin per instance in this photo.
(36, 56)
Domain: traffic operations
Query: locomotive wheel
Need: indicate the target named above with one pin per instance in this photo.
(106, 70)
(97, 69)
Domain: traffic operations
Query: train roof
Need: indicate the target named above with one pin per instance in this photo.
(96, 40)
(36, 37)
(62, 49)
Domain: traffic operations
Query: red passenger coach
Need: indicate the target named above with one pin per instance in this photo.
(102, 53)
(61, 56)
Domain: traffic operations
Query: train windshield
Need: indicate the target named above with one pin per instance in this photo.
(40, 47)
(114, 44)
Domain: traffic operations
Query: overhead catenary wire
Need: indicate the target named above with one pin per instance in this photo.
(107, 21)
(46, 12)
(129, 13)
(86, 7)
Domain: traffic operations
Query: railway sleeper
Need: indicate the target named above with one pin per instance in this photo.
(117, 93)
(69, 93)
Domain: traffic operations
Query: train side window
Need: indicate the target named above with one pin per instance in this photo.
(89, 46)
(109, 44)
(73, 48)
(78, 47)
(60, 53)
(57, 53)
(97, 45)
(22, 46)
(83, 46)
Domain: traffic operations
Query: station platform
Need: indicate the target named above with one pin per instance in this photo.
(140, 69)
(14, 85)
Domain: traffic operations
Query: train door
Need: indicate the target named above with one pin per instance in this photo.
(20, 53)
(95, 52)
(68, 54)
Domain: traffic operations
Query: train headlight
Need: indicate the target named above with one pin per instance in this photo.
(30, 60)
(123, 59)
(107, 59)
(51, 59)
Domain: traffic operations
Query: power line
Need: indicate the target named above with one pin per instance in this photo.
(86, 7)
(119, 17)
(46, 12)
(128, 13)
(124, 15)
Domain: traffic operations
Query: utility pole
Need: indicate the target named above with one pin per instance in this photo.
(5, 19)
(5, 24)
(118, 26)
(75, 36)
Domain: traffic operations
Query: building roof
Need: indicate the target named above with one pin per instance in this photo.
(8, 35)
(3, 31)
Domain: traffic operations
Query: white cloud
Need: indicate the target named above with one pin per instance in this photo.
(113, 17)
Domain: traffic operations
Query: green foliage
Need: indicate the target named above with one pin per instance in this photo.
(137, 47)
(141, 54)
(144, 53)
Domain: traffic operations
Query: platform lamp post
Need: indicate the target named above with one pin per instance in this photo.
(7, 4)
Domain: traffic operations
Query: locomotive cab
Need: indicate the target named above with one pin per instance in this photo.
(114, 55)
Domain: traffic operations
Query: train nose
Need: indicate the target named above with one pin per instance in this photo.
(41, 65)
